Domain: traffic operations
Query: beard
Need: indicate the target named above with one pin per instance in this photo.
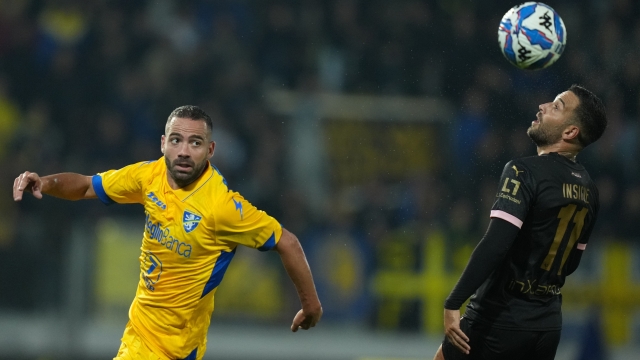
(181, 177)
(543, 136)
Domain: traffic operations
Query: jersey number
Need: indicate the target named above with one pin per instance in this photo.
(565, 215)
(505, 186)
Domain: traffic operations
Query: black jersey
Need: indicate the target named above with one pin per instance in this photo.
(555, 203)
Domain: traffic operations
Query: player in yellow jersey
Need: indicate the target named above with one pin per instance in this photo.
(193, 225)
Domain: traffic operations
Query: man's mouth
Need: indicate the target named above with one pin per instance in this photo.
(537, 120)
(183, 166)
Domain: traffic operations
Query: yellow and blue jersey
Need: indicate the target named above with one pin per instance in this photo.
(190, 236)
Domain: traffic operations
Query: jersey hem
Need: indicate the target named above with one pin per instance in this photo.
(476, 317)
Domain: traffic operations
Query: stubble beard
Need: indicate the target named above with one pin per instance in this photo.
(543, 137)
(182, 178)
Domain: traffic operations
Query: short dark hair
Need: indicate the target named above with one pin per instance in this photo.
(590, 115)
(192, 112)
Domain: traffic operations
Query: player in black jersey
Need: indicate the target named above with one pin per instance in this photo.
(540, 224)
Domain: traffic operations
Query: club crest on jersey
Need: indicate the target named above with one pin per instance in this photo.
(190, 221)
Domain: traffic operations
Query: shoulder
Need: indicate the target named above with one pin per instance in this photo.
(530, 160)
(518, 165)
(147, 171)
(152, 165)
(215, 191)
(148, 167)
(531, 163)
(525, 170)
(218, 184)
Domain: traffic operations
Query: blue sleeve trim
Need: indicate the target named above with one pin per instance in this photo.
(193, 355)
(96, 180)
(218, 271)
(269, 244)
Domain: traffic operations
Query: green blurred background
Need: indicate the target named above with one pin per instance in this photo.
(376, 131)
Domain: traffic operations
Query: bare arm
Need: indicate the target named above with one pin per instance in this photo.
(68, 186)
(295, 263)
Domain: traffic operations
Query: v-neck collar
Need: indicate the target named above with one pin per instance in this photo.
(184, 192)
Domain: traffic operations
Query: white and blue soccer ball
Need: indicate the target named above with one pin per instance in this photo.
(532, 35)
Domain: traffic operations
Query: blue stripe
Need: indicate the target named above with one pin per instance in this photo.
(269, 244)
(224, 181)
(192, 356)
(218, 271)
(96, 181)
(147, 162)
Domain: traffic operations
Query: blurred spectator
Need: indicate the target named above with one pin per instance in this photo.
(9, 118)
(87, 85)
(469, 129)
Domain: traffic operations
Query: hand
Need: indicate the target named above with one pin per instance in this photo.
(453, 332)
(306, 319)
(29, 182)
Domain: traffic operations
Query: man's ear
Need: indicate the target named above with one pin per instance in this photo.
(162, 144)
(212, 148)
(571, 132)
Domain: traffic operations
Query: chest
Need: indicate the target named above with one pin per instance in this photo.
(173, 225)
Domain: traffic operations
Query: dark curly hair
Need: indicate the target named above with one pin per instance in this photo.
(590, 115)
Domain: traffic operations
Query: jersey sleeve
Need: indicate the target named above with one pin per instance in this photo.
(486, 257)
(123, 186)
(239, 222)
(516, 191)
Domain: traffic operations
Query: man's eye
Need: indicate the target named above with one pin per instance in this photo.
(174, 141)
(196, 143)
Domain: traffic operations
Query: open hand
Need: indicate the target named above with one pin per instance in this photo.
(453, 332)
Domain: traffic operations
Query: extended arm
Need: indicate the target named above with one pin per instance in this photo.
(486, 257)
(68, 186)
(295, 263)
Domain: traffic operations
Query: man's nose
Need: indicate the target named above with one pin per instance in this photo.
(183, 151)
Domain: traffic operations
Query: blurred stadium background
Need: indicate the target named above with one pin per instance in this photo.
(374, 130)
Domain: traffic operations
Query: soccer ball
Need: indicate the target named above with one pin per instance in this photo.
(532, 35)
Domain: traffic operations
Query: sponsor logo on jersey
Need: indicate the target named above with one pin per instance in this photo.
(507, 197)
(516, 170)
(153, 270)
(190, 221)
(164, 237)
(529, 287)
(156, 201)
(239, 207)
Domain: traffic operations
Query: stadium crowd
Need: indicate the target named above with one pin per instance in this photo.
(86, 87)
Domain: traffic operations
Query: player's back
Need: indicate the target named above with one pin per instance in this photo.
(557, 203)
